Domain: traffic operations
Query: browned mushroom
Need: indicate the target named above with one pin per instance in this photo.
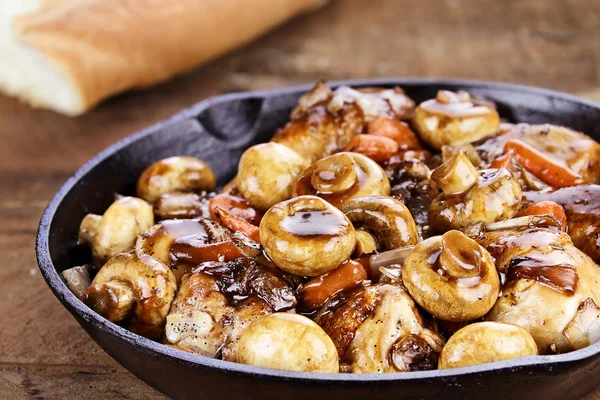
(470, 197)
(116, 231)
(266, 174)
(341, 177)
(135, 289)
(307, 236)
(175, 174)
(454, 119)
(452, 277)
(486, 342)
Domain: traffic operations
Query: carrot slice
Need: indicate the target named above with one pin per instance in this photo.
(399, 131)
(543, 167)
(235, 223)
(238, 206)
(377, 148)
(504, 161)
(547, 208)
(194, 251)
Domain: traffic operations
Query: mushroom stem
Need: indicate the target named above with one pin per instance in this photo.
(461, 256)
(88, 228)
(77, 279)
(523, 222)
(113, 300)
(365, 243)
(396, 256)
(457, 175)
(334, 174)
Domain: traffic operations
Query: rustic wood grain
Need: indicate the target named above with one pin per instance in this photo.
(43, 352)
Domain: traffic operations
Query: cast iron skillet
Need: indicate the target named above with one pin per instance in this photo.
(217, 130)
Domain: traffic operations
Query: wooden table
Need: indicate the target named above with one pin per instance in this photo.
(43, 352)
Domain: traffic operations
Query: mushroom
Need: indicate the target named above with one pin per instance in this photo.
(116, 231)
(454, 119)
(77, 279)
(486, 342)
(452, 277)
(547, 287)
(341, 177)
(384, 218)
(307, 236)
(157, 240)
(287, 341)
(136, 288)
(181, 205)
(379, 329)
(266, 173)
(175, 174)
(470, 197)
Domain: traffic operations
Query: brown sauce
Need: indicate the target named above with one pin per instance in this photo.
(560, 277)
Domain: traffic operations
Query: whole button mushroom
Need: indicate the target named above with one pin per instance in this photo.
(287, 341)
(470, 196)
(175, 174)
(486, 342)
(453, 119)
(384, 218)
(266, 174)
(307, 236)
(134, 288)
(452, 277)
(341, 177)
(117, 230)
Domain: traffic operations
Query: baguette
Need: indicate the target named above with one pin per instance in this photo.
(68, 55)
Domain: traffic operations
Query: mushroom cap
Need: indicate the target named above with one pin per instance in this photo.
(147, 284)
(307, 236)
(175, 174)
(341, 177)
(486, 342)
(495, 197)
(287, 341)
(266, 174)
(387, 219)
(157, 240)
(452, 277)
(119, 227)
(453, 119)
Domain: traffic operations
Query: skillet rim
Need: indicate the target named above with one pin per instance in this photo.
(79, 310)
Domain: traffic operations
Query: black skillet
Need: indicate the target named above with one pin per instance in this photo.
(217, 130)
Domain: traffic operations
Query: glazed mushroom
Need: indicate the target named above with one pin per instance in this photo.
(157, 240)
(133, 288)
(486, 342)
(551, 288)
(341, 177)
(287, 341)
(116, 231)
(77, 279)
(452, 277)
(181, 205)
(175, 174)
(454, 119)
(471, 197)
(307, 236)
(266, 174)
(385, 219)
(379, 329)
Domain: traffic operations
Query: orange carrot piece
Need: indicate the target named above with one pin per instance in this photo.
(397, 130)
(543, 167)
(238, 206)
(504, 161)
(377, 148)
(235, 223)
(548, 208)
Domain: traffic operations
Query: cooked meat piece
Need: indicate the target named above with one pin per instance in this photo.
(578, 151)
(582, 207)
(325, 121)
